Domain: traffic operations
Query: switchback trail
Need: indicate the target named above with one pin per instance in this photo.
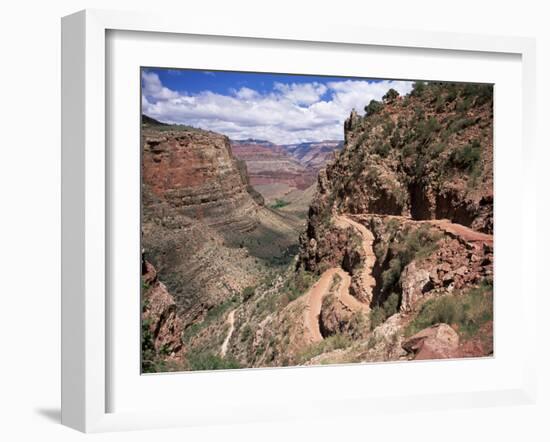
(314, 297)
(231, 321)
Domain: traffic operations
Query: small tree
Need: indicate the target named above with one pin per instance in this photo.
(391, 95)
(418, 88)
(373, 107)
(248, 292)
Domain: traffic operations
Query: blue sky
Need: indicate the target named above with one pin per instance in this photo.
(277, 107)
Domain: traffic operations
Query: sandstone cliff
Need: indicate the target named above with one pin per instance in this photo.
(204, 227)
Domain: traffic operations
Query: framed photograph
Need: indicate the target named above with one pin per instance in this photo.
(251, 212)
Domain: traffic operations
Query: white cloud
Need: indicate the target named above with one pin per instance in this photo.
(153, 88)
(301, 94)
(292, 113)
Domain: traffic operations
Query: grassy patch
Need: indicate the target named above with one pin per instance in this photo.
(197, 360)
(334, 342)
(279, 203)
(298, 284)
(468, 310)
(212, 315)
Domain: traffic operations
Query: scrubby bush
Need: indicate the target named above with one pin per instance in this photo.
(439, 104)
(460, 124)
(334, 342)
(411, 244)
(373, 107)
(426, 130)
(382, 149)
(391, 95)
(298, 284)
(246, 333)
(198, 360)
(380, 313)
(247, 293)
(418, 88)
(468, 311)
(467, 157)
(279, 203)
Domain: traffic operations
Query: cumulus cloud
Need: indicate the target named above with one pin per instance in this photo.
(301, 94)
(290, 113)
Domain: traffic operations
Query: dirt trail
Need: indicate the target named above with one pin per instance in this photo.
(231, 321)
(366, 279)
(314, 297)
(458, 230)
(461, 231)
(314, 300)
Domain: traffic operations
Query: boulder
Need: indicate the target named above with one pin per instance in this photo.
(415, 282)
(439, 341)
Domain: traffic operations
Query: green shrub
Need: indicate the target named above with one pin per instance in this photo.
(376, 317)
(411, 244)
(391, 95)
(436, 149)
(485, 94)
(391, 305)
(246, 333)
(440, 104)
(408, 150)
(468, 310)
(373, 107)
(298, 284)
(452, 93)
(197, 360)
(334, 342)
(248, 292)
(418, 88)
(425, 130)
(395, 139)
(279, 203)
(461, 124)
(382, 149)
(387, 128)
(466, 157)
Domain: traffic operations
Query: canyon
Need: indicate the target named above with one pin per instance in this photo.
(284, 172)
(382, 250)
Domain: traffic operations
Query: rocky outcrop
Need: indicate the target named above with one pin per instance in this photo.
(162, 325)
(196, 172)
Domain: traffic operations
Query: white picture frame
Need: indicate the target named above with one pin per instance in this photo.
(86, 315)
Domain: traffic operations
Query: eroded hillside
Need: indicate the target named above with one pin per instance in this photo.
(395, 263)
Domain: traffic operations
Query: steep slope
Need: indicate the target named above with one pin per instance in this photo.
(161, 343)
(416, 172)
(427, 155)
(204, 227)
